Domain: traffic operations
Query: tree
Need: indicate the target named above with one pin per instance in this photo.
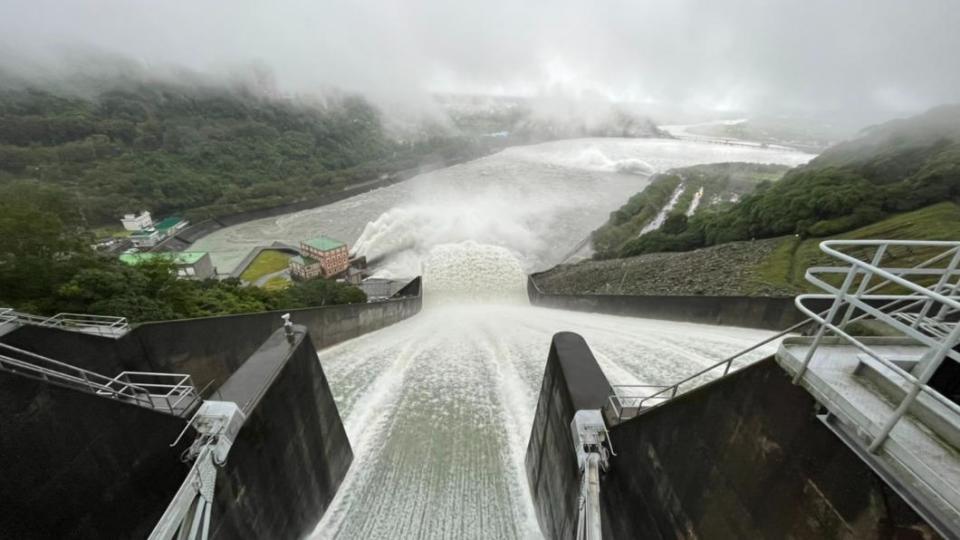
(674, 224)
(320, 292)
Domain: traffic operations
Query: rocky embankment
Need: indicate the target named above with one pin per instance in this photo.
(725, 270)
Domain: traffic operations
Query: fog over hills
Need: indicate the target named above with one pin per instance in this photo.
(855, 62)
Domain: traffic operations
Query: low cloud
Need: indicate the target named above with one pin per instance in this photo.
(869, 58)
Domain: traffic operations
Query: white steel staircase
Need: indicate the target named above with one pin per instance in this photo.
(170, 393)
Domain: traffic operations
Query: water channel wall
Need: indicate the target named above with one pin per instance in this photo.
(764, 312)
(292, 452)
(741, 457)
(745, 457)
(81, 466)
(572, 380)
(76, 465)
(210, 348)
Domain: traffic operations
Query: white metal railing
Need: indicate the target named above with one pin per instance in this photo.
(103, 325)
(924, 313)
(632, 399)
(173, 393)
(625, 398)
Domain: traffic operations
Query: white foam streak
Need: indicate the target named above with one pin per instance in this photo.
(661, 216)
(695, 203)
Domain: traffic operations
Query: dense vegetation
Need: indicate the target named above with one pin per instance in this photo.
(896, 167)
(47, 266)
(199, 151)
(770, 267)
(722, 183)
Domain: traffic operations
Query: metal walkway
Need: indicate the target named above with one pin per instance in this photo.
(170, 393)
(875, 389)
(631, 400)
(99, 325)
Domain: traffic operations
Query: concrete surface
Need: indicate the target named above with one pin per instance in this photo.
(768, 313)
(745, 457)
(80, 466)
(209, 348)
(291, 453)
(572, 381)
(928, 465)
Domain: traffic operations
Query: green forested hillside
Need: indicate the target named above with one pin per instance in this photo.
(719, 184)
(203, 151)
(895, 167)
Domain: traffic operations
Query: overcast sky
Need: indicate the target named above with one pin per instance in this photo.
(894, 56)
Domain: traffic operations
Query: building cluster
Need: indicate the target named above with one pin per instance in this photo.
(145, 233)
(327, 258)
(188, 264)
(320, 257)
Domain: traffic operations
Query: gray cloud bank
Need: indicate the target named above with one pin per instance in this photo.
(866, 58)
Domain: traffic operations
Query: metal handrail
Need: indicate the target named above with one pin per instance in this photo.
(946, 402)
(908, 300)
(120, 387)
(674, 388)
(939, 345)
(103, 324)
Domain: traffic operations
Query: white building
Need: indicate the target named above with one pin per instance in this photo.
(133, 222)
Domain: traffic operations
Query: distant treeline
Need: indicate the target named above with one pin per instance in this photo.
(895, 167)
(201, 152)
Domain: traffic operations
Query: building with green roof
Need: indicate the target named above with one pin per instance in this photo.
(320, 257)
(170, 225)
(324, 243)
(189, 264)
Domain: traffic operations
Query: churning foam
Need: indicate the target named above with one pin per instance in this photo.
(469, 273)
(593, 159)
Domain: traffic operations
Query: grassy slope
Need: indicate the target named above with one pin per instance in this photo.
(267, 262)
(785, 267)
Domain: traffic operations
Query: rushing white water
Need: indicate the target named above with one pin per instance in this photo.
(661, 216)
(695, 203)
(538, 200)
(438, 408)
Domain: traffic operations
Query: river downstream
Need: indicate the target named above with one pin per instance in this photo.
(552, 194)
(438, 408)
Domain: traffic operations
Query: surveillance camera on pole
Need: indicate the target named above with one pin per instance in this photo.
(288, 327)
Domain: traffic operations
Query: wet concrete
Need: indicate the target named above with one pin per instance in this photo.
(292, 452)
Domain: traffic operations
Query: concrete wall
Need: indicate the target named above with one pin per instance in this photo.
(80, 466)
(572, 380)
(291, 453)
(210, 348)
(770, 313)
(745, 457)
